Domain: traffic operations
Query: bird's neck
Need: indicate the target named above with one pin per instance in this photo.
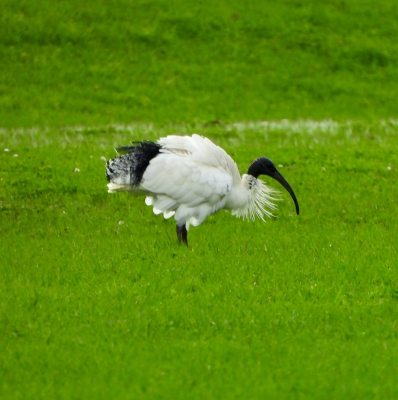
(251, 198)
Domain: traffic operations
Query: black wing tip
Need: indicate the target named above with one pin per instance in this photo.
(124, 149)
(138, 144)
(132, 161)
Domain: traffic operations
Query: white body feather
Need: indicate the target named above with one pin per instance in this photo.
(192, 178)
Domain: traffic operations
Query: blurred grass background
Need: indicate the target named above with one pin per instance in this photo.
(97, 62)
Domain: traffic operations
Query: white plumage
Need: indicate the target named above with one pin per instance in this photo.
(190, 178)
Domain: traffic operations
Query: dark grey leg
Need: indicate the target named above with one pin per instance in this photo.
(182, 234)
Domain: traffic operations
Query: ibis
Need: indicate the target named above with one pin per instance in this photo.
(190, 178)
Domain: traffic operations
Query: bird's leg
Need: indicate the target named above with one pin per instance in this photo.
(182, 234)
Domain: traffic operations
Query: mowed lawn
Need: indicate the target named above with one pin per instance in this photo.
(97, 300)
(100, 62)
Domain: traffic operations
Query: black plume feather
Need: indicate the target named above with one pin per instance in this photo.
(130, 167)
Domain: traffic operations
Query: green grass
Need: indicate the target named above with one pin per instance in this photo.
(97, 300)
(73, 62)
(297, 307)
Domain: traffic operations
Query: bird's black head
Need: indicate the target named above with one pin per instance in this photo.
(264, 166)
(261, 166)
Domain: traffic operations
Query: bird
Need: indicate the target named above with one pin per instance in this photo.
(190, 178)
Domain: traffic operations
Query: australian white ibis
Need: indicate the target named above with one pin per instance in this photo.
(190, 178)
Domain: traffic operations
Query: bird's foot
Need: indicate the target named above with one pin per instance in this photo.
(182, 234)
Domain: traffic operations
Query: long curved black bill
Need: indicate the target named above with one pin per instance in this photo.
(278, 177)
